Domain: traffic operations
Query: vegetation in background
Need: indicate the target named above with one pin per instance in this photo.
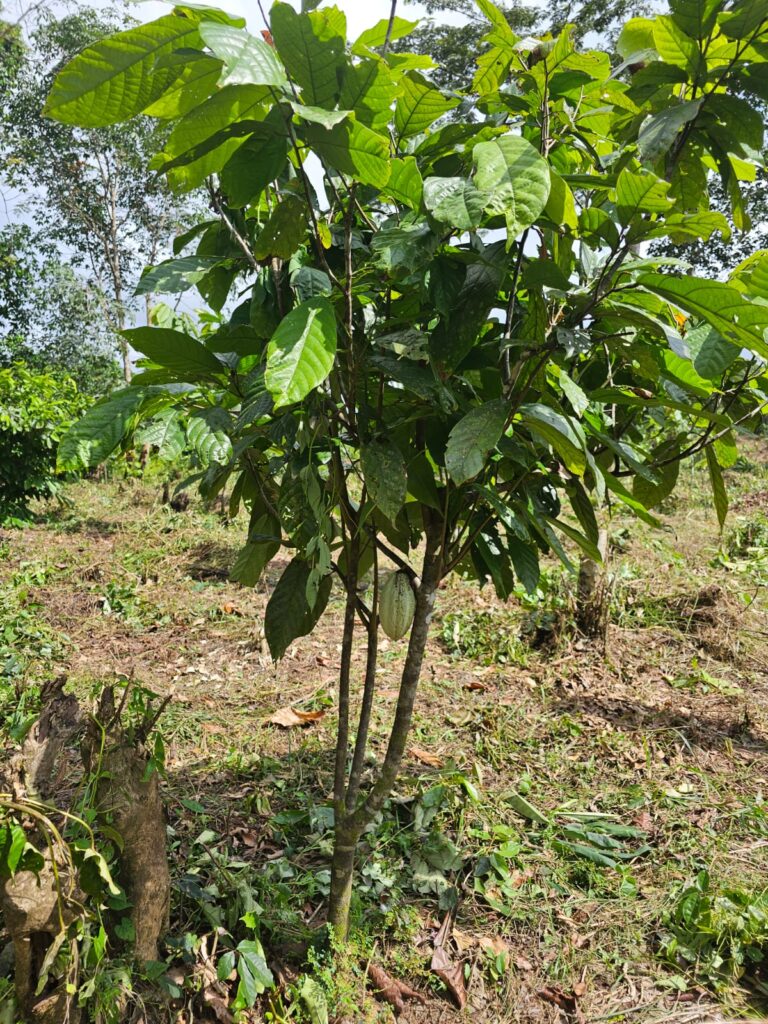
(48, 319)
(88, 196)
(35, 411)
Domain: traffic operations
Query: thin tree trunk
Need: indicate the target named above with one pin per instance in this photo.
(349, 826)
(342, 875)
(592, 592)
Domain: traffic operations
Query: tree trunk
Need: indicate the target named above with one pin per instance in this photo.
(132, 800)
(127, 368)
(342, 874)
(592, 595)
(349, 825)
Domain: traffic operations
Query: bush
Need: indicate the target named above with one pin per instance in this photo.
(35, 410)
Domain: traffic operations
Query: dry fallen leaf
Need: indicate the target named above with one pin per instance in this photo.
(288, 718)
(449, 972)
(475, 685)
(492, 944)
(568, 1002)
(393, 991)
(433, 760)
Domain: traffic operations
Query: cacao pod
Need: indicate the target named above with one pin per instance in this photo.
(397, 605)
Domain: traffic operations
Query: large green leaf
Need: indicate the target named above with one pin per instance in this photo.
(369, 88)
(247, 60)
(737, 319)
(301, 352)
(353, 149)
(454, 201)
(174, 276)
(557, 431)
(744, 21)
(405, 182)
(97, 434)
(473, 438)
(673, 44)
(697, 17)
(264, 541)
(254, 165)
(515, 179)
(187, 357)
(203, 141)
(525, 562)
(114, 79)
(658, 132)
(197, 79)
(208, 433)
(288, 614)
(394, 29)
(641, 193)
(312, 48)
(419, 105)
(712, 354)
(650, 493)
(165, 433)
(284, 231)
(719, 493)
(385, 477)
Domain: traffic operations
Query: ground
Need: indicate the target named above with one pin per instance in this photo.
(641, 763)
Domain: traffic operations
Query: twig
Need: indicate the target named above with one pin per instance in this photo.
(390, 27)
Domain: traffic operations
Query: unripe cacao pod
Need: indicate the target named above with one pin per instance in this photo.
(397, 605)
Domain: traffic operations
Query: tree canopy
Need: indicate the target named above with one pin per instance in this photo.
(448, 348)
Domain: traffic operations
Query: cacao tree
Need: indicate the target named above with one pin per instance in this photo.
(444, 343)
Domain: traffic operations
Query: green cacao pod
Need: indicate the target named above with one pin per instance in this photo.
(397, 605)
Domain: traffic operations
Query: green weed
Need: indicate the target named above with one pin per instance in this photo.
(489, 638)
(719, 935)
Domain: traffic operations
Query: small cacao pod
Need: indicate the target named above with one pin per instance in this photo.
(397, 605)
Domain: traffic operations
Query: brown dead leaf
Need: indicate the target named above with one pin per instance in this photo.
(433, 760)
(288, 718)
(447, 970)
(492, 944)
(566, 1001)
(218, 1004)
(644, 821)
(390, 989)
(475, 685)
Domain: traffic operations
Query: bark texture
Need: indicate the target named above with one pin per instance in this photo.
(130, 797)
(593, 593)
(36, 908)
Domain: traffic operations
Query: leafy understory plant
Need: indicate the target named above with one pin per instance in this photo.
(436, 324)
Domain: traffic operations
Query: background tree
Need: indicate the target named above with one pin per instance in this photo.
(88, 193)
(48, 317)
(451, 45)
(446, 364)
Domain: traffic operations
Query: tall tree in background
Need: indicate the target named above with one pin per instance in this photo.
(87, 192)
(50, 319)
(453, 47)
(602, 17)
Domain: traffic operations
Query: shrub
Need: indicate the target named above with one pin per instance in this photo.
(35, 410)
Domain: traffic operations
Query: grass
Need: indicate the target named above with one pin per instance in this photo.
(661, 741)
